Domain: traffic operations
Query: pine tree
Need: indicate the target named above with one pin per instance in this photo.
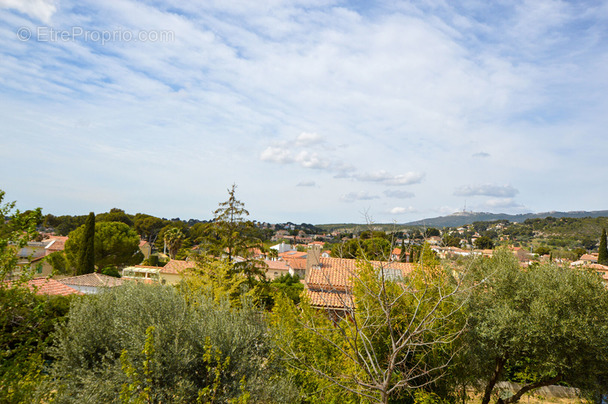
(602, 257)
(86, 261)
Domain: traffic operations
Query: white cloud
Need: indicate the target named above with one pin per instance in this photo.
(276, 155)
(502, 191)
(42, 10)
(312, 160)
(357, 196)
(399, 210)
(306, 184)
(398, 193)
(305, 139)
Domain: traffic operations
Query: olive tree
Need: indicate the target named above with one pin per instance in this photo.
(546, 323)
(187, 348)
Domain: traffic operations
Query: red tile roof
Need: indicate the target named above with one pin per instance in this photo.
(176, 267)
(276, 265)
(44, 286)
(327, 282)
(55, 243)
(330, 300)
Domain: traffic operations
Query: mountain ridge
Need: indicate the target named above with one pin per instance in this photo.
(457, 219)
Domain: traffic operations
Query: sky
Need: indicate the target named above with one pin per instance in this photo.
(319, 111)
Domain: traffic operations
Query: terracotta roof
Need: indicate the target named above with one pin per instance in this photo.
(588, 257)
(176, 267)
(599, 267)
(293, 254)
(336, 273)
(44, 286)
(330, 300)
(55, 243)
(93, 280)
(277, 265)
(296, 263)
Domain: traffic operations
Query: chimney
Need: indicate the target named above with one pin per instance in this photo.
(313, 258)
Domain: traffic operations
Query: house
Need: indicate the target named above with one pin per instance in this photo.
(276, 269)
(174, 270)
(329, 281)
(282, 247)
(145, 248)
(50, 287)
(296, 261)
(91, 283)
(396, 255)
(171, 273)
(141, 273)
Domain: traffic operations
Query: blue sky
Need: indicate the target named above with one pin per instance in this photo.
(320, 111)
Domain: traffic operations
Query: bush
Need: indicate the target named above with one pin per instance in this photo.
(187, 340)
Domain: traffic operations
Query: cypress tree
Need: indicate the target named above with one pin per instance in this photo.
(602, 257)
(87, 249)
(403, 255)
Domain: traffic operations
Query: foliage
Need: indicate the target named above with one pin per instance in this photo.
(450, 240)
(374, 248)
(217, 279)
(115, 245)
(86, 255)
(549, 322)
(173, 239)
(115, 215)
(58, 262)
(148, 226)
(484, 243)
(63, 225)
(289, 286)
(190, 340)
(603, 250)
(397, 340)
(26, 322)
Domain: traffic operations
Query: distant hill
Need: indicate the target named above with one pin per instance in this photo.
(462, 218)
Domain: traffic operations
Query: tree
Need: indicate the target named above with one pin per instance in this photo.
(115, 215)
(116, 245)
(231, 235)
(177, 345)
(148, 226)
(602, 257)
(395, 339)
(546, 324)
(173, 240)
(86, 258)
(484, 243)
(231, 226)
(26, 320)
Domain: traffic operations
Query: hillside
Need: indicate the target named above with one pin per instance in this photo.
(463, 218)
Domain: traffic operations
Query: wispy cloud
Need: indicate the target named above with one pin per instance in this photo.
(41, 10)
(502, 191)
(481, 155)
(357, 196)
(399, 210)
(306, 184)
(386, 178)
